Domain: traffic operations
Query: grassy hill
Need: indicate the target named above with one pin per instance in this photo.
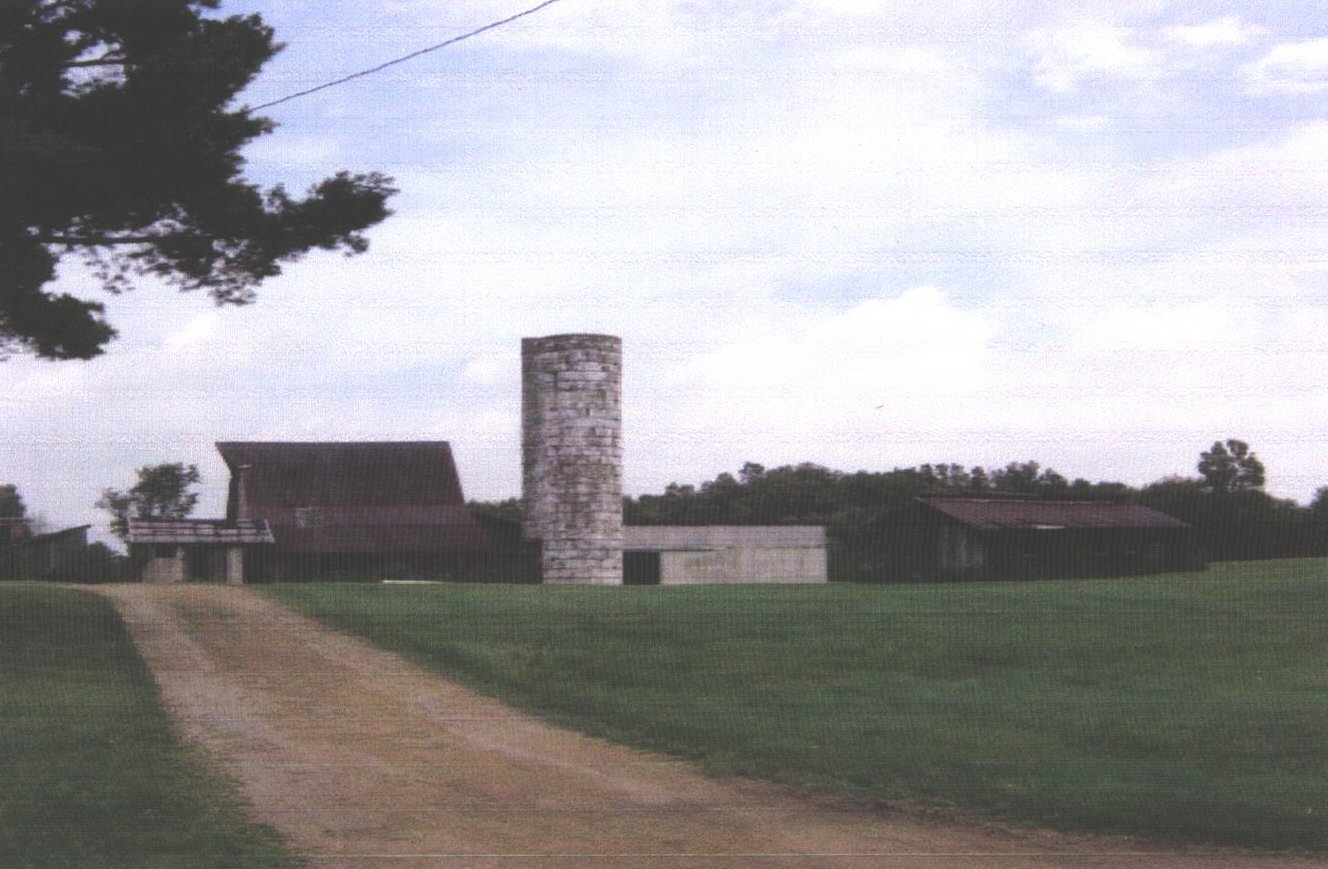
(1188, 707)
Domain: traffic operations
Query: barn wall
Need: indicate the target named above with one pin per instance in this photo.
(959, 550)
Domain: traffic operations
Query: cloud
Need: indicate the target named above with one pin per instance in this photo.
(1065, 57)
(1290, 68)
(1227, 30)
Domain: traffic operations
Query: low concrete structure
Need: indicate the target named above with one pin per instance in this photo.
(202, 550)
(718, 554)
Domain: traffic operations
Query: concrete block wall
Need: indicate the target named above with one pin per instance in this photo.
(716, 554)
(571, 451)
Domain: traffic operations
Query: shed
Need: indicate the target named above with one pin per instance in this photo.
(53, 555)
(198, 550)
(988, 537)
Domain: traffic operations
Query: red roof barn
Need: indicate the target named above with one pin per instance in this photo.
(346, 508)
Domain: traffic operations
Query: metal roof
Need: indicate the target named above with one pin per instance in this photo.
(992, 514)
(216, 531)
(353, 496)
(342, 473)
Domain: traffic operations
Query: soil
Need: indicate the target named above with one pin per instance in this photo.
(364, 760)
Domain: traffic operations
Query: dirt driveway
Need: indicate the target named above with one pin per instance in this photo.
(364, 760)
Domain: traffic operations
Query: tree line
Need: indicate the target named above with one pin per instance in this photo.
(1234, 518)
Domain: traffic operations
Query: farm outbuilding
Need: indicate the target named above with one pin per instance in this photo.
(723, 554)
(52, 555)
(197, 550)
(395, 510)
(355, 509)
(945, 537)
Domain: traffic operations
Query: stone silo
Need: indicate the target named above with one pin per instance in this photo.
(571, 451)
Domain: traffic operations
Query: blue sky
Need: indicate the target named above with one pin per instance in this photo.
(867, 235)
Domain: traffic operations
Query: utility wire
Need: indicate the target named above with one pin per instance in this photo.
(414, 54)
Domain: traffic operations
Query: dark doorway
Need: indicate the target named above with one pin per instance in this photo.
(203, 564)
(640, 568)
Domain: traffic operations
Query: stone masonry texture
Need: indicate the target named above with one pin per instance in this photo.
(571, 451)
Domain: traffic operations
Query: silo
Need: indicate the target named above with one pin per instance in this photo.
(571, 451)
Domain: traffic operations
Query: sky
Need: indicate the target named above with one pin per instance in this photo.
(865, 235)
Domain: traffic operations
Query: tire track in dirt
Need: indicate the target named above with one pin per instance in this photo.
(364, 760)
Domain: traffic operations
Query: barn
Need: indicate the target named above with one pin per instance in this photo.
(351, 509)
(947, 537)
(322, 510)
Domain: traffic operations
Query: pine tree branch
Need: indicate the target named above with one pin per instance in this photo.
(99, 240)
(104, 60)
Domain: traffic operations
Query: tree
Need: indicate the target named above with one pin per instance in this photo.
(116, 143)
(162, 492)
(1319, 506)
(11, 502)
(1027, 478)
(1230, 466)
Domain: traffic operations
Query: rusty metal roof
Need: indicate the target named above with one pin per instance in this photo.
(992, 514)
(215, 531)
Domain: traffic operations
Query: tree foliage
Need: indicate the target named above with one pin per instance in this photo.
(11, 502)
(162, 492)
(117, 143)
(1230, 466)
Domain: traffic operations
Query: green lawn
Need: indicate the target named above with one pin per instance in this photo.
(91, 772)
(1187, 707)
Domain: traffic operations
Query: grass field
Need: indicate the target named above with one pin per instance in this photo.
(91, 773)
(1188, 707)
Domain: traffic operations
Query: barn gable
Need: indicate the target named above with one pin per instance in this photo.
(366, 498)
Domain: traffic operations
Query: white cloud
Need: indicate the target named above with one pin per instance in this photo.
(1227, 30)
(824, 384)
(1083, 123)
(1295, 67)
(1064, 57)
(195, 334)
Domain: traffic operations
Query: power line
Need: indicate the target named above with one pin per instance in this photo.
(414, 54)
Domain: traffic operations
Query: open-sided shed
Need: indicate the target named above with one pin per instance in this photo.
(1008, 537)
(198, 550)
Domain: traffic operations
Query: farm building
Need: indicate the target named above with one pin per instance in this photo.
(720, 554)
(54, 555)
(350, 509)
(322, 511)
(333, 510)
(198, 550)
(1010, 537)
